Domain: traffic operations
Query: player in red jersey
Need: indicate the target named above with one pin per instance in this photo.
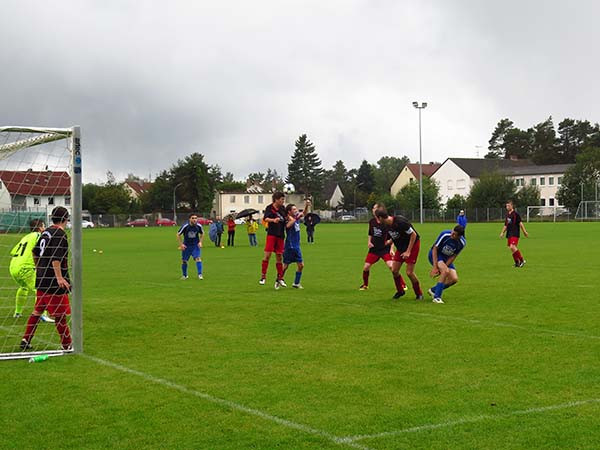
(275, 217)
(512, 227)
(379, 245)
(407, 242)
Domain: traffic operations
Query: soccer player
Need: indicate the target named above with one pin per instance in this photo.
(275, 218)
(442, 255)
(407, 243)
(379, 245)
(292, 252)
(191, 246)
(52, 280)
(22, 267)
(512, 227)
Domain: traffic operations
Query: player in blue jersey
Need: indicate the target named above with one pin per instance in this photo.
(442, 256)
(191, 246)
(291, 251)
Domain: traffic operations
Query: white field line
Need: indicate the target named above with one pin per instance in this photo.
(474, 419)
(227, 403)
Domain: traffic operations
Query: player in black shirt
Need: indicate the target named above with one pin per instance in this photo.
(379, 245)
(512, 227)
(275, 217)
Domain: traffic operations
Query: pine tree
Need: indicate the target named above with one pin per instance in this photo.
(304, 170)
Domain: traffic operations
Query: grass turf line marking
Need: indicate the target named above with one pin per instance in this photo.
(474, 419)
(226, 403)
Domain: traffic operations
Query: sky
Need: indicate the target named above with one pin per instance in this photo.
(150, 82)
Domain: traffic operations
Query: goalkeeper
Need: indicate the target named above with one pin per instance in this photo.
(22, 267)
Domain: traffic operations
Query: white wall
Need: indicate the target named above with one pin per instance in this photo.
(452, 180)
(5, 202)
(59, 200)
(226, 203)
(547, 191)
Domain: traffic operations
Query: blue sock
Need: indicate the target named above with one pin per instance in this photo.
(184, 269)
(439, 288)
(297, 279)
(199, 267)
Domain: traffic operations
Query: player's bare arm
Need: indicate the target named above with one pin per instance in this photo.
(413, 239)
(434, 270)
(291, 221)
(524, 230)
(503, 231)
(59, 278)
(181, 244)
(370, 243)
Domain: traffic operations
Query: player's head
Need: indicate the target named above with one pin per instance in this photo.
(291, 209)
(278, 198)
(381, 214)
(510, 205)
(376, 206)
(462, 212)
(59, 215)
(193, 218)
(37, 225)
(457, 232)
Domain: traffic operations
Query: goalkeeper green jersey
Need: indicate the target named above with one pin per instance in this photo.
(22, 258)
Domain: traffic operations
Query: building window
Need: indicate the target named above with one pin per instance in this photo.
(410, 180)
(533, 182)
(542, 181)
(559, 181)
(542, 202)
(232, 199)
(246, 199)
(51, 200)
(450, 185)
(67, 201)
(261, 199)
(551, 201)
(36, 200)
(460, 184)
(550, 181)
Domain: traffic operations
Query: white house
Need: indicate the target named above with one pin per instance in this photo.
(34, 190)
(136, 188)
(333, 195)
(233, 202)
(547, 178)
(409, 173)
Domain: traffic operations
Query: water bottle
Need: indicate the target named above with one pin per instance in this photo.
(38, 358)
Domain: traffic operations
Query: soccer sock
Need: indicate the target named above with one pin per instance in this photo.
(32, 323)
(20, 300)
(515, 256)
(439, 288)
(279, 270)
(417, 288)
(297, 279)
(63, 331)
(265, 267)
(365, 277)
(399, 282)
(199, 267)
(184, 269)
(518, 255)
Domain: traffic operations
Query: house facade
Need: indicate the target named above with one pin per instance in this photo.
(333, 195)
(409, 173)
(547, 178)
(34, 190)
(226, 203)
(137, 188)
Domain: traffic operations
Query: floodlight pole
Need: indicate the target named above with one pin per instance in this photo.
(174, 203)
(423, 105)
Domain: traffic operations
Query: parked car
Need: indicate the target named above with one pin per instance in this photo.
(204, 221)
(137, 223)
(84, 224)
(164, 222)
(347, 218)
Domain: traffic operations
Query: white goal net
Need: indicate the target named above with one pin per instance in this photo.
(588, 210)
(40, 172)
(547, 213)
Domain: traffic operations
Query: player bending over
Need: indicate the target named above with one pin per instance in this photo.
(512, 227)
(442, 256)
(292, 252)
(274, 218)
(407, 243)
(379, 245)
(193, 234)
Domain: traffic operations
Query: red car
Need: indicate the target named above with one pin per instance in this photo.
(164, 222)
(137, 223)
(203, 221)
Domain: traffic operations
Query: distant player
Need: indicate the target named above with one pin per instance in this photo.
(274, 218)
(442, 255)
(512, 227)
(379, 245)
(292, 253)
(193, 234)
(407, 243)
(22, 267)
(52, 280)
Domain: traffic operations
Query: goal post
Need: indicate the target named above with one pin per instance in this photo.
(40, 169)
(588, 210)
(547, 213)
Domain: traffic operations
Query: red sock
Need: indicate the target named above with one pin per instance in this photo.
(519, 256)
(63, 331)
(417, 288)
(279, 270)
(265, 267)
(365, 277)
(32, 323)
(399, 282)
(515, 257)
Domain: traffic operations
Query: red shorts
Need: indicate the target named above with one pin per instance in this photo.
(56, 305)
(512, 241)
(412, 258)
(372, 258)
(274, 244)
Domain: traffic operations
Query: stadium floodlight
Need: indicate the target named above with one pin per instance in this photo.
(421, 107)
(40, 169)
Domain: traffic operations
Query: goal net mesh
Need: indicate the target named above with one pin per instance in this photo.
(35, 177)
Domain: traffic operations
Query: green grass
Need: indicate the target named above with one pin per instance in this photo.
(476, 372)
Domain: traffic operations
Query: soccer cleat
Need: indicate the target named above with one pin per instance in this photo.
(399, 294)
(183, 277)
(431, 293)
(47, 319)
(419, 297)
(363, 287)
(522, 263)
(17, 315)
(200, 277)
(262, 281)
(297, 286)
(26, 345)
(437, 300)
(277, 285)
(405, 287)
(282, 283)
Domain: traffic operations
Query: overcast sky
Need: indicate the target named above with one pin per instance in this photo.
(153, 81)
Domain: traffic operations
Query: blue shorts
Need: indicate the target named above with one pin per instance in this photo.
(292, 255)
(193, 251)
(440, 258)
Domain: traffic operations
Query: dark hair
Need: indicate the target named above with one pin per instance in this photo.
(36, 224)
(382, 213)
(460, 230)
(59, 214)
(277, 195)
(510, 201)
(192, 214)
(289, 207)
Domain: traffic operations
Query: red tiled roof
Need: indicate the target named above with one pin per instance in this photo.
(36, 183)
(139, 188)
(428, 169)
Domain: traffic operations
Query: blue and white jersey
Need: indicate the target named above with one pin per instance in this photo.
(292, 240)
(447, 246)
(191, 233)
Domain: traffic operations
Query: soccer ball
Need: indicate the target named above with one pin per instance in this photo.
(288, 188)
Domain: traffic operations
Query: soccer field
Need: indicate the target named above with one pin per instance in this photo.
(512, 360)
